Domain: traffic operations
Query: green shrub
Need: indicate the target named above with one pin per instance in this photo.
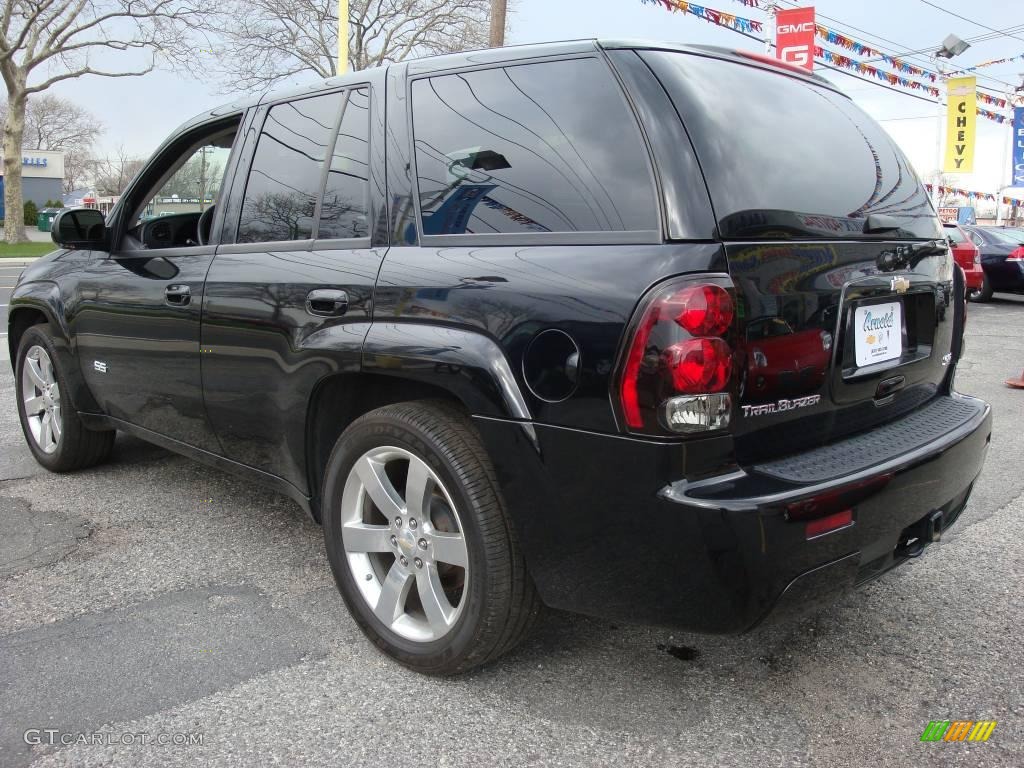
(31, 213)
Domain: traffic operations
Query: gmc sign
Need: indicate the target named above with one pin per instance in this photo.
(794, 36)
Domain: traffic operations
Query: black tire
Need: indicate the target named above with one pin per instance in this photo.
(499, 603)
(77, 447)
(984, 293)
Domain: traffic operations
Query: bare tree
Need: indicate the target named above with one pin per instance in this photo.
(79, 167)
(265, 42)
(499, 22)
(46, 41)
(112, 174)
(57, 125)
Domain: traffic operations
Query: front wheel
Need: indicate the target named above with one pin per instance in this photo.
(419, 542)
(55, 435)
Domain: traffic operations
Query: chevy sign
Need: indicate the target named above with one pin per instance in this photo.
(1017, 172)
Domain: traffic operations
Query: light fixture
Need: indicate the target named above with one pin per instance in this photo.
(952, 46)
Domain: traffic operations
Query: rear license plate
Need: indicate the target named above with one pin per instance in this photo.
(878, 333)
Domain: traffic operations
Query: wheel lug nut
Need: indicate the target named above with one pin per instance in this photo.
(419, 563)
(394, 541)
(398, 522)
(422, 543)
(412, 523)
(403, 561)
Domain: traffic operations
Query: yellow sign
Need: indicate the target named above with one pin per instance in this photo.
(961, 106)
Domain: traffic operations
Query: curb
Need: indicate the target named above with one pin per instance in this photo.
(18, 261)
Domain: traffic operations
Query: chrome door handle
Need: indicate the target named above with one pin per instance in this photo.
(178, 295)
(327, 302)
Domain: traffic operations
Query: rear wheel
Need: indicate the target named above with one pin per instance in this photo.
(984, 293)
(419, 542)
(55, 435)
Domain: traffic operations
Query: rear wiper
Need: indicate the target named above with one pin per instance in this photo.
(909, 256)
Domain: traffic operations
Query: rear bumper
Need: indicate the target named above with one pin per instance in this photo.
(607, 532)
(974, 277)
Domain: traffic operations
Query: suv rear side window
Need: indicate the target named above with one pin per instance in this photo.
(343, 213)
(520, 150)
(284, 181)
(784, 157)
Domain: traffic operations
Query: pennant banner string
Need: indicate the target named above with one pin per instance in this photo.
(972, 195)
(740, 24)
(720, 18)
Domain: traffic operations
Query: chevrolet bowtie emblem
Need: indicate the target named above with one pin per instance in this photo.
(900, 284)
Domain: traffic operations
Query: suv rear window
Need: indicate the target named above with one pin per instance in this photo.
(786, 158)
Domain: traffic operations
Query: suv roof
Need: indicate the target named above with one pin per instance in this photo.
(441, 62)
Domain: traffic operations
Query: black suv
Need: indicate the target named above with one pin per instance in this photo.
(650, 332)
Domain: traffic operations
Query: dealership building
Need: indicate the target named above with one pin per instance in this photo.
(42, 177)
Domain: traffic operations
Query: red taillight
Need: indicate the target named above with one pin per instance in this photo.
(698, 365)
(1017, 255)
(676, 349)
(702, 310)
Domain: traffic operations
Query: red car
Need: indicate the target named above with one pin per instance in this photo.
(967, 256)
(784, 363)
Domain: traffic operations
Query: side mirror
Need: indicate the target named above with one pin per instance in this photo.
(80, 228)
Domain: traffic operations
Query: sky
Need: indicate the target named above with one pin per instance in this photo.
(138, 113)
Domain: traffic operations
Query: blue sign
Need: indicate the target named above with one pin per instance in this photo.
(1018, 147)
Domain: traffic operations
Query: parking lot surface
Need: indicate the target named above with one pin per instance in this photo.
(154, 598)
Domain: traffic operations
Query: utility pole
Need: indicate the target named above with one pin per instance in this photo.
(342, 37)
(498, 8)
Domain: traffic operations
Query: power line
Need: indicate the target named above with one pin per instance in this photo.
(971, 21)
(872, 82)
(909, 53)
(841, 71)
(894, 119)
(853, 75)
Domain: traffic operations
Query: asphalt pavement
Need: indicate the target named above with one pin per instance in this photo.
(154, 599)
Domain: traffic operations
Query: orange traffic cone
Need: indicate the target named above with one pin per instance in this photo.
(1016, 383)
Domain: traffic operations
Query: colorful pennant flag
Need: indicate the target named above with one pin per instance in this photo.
(984, 64)
(970, 194)
(721, 18)
(740, 24)
(872, 71)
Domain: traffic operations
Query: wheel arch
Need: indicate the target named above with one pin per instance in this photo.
(39, 303)
(411, 361)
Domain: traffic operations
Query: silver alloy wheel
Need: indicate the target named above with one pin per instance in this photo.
(41, 394)
(394, 540)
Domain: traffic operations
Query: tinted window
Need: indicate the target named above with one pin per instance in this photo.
(344, 210)
(786, 158)
(520, 150)
(281, 193)
(1005, 236)
(954, 234)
